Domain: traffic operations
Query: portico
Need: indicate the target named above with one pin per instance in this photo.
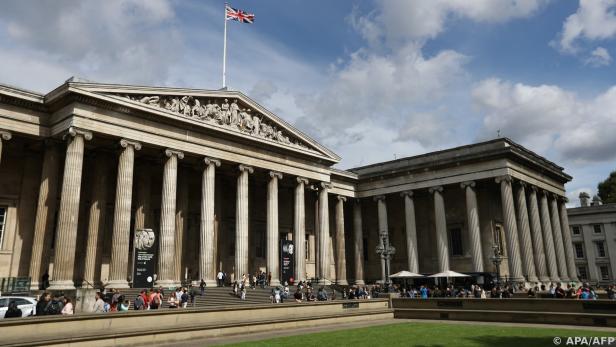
(221, 186)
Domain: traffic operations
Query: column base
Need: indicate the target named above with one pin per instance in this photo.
(167, 283)
(574, 279)
(119, 284)
(274, 282)
(61, 285)
(544, 280)
(555, 280)
(93, 285)
(360, 283)
(35, 286)
(533, 279)
(565, 280)
(343, 282)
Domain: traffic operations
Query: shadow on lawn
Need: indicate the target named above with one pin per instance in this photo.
(506, 341)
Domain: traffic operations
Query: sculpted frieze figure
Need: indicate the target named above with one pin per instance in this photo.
(228, 115)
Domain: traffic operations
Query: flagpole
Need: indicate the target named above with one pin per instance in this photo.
(224, 53)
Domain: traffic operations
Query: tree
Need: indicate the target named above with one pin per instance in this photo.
(607, 189)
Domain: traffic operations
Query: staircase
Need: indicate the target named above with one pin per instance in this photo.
(223, 296)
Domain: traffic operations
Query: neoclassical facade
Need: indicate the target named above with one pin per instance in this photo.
(222, 180)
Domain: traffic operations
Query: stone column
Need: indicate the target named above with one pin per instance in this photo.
(68, 216)
(561, 261)
(511, 229)
(440, 221)
(472, 214)
(341, 276)
(299, 229)
(548, 239)
(166, 237)
(142, 212)
(566, 231)
(526, 244)
(358, 243)
(323, 265)
(207, 261)
(536, 233)
(241, 223)
(181, 223)
(45, 211)
(118, 267)
(411, 231)
(272, 228)
(96, 225)
(4, 136)
(381, 206)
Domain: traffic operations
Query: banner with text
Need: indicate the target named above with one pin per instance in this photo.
(145, 247)
(287, 254)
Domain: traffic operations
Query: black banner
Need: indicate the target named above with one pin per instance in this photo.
(145, 254)
(287, 256)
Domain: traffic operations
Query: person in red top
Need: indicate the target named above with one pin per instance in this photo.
(146, 299)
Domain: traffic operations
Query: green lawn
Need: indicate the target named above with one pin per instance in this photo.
(432, 334)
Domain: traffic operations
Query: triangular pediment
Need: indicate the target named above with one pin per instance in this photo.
(230, 111)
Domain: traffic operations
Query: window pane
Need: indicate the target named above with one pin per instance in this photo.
(597, 228)
(576, 230)
(600, 249)
(579, 250)
(605, 273)
(4, 302)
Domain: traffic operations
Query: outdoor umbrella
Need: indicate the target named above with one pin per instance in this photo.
(406, 274)
(448, 274)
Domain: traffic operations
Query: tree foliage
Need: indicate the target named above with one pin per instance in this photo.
(607, 189)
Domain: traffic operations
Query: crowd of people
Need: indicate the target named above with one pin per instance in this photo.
(582, 292)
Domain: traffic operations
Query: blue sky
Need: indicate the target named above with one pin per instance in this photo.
(372, 80)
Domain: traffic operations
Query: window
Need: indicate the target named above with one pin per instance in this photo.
(596, 228)
(605, 272)
(455, 241)
(576, 230)
(582, 273)
(600, 249)
(4, 302)
(579, 250)
(3, 211)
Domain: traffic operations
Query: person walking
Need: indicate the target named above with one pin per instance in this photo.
(202, 287)
(219, 279)
(99, 304)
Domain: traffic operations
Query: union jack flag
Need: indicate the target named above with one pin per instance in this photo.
(239, 15)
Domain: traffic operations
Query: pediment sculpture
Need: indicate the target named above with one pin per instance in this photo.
(220, 112)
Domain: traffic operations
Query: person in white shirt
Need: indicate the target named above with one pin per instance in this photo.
(219, 278)
(99, 305)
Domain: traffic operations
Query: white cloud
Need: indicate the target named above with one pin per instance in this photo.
(548, 118)
(593, 20)
(599, 57)
(426, 19)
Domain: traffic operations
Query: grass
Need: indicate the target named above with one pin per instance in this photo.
(432, 334)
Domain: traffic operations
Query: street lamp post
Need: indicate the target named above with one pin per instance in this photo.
(385, 250)
(497, 259)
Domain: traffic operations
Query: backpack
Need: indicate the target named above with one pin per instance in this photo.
(156, 300)
(138, 303)
(53, 307)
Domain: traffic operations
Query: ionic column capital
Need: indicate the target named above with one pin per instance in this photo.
(246, 168)
(379, 198)
(326, 185)
(125, 143)
(173, 152)
(533, 188)
(504, 178)
(211, 161)
(5, 135)
(341, 198)
(470, 184)
(523, 184)
(406, 193)
(434, 189)
(73, 131)
(563, 199)
(301, 180)
(275, 174)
